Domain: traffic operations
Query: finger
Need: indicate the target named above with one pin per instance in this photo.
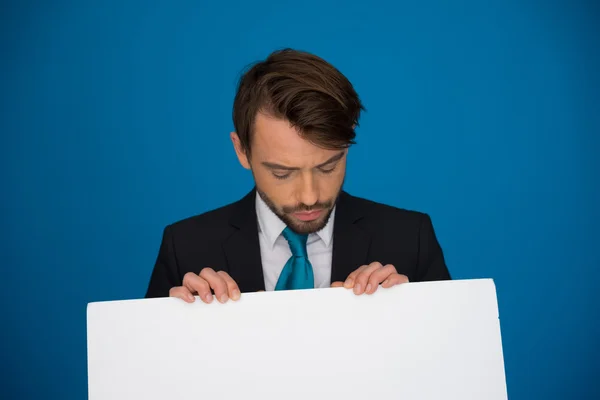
(217, 283)
(362, 279)
(182, 293)
(232, 288)
(195, 284)
(349, 283)
(337, 284)
(393, 280)
(379, 276)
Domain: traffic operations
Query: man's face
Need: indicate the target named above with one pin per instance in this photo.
(299, 181)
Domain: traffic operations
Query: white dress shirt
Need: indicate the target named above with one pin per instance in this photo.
(275, 251)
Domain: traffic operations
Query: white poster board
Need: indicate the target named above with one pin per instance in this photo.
(431, 340)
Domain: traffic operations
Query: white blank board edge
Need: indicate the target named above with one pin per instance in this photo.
(429, 340)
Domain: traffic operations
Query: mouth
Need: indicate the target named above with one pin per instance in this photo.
(308, 216)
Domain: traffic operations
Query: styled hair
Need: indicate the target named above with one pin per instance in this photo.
(316, 98)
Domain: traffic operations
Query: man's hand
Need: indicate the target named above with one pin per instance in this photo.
(367, 278)
(220, 282)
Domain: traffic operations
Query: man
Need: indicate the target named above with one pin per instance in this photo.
(294, 116)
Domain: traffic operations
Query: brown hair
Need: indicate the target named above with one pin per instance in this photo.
(303, 89)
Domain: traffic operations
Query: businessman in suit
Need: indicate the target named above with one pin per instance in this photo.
(295, 116)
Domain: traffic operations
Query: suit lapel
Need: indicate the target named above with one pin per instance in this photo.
(350, 243)
(242, 249)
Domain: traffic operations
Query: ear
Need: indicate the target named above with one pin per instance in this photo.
(239, 151)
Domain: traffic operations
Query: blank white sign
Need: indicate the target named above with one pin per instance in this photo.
(431, 340)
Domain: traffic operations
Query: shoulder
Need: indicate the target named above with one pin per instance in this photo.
(372, 209)
(208, 219)
(213, 224)
(380, 214)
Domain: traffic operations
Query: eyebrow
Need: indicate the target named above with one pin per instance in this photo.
(333, 159)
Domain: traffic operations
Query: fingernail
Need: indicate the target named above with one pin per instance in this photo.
(208, 298)
(235, 295)
(369, 287)
(223, 298)
(357, 288)
(190, 298)
(348, 284)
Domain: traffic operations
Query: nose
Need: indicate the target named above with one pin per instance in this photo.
(308, 191)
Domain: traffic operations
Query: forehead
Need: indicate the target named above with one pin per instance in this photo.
(275, 140)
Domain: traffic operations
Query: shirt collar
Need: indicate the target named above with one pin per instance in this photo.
(272, 226)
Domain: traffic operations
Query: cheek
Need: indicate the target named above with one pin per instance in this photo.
(329, 185)
(276, 190)
(260, 177)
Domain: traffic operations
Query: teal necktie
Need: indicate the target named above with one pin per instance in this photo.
(297, 272)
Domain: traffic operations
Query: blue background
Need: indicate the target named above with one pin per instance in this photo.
(115, 120)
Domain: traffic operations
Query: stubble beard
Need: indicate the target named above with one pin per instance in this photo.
(296, 225)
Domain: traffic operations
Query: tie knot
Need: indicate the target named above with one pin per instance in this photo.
(296, 241)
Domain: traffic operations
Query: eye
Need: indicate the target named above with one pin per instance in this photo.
(327, 170)
(281, 176)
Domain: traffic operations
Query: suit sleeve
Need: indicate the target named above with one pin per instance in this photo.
(431, 264)
(165, 274)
